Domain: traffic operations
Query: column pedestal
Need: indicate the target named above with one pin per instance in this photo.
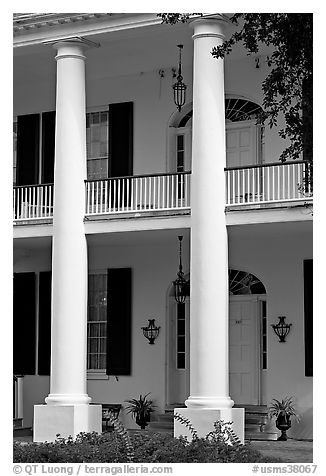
(65, 420)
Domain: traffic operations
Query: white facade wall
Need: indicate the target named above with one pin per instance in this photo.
(153, 104)
(274, 253)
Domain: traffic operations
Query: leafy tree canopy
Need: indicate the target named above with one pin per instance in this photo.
(287, 89)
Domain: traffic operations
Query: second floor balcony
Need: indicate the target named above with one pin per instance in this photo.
(145, 195)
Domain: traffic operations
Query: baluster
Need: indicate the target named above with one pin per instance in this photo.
(137, 183)
(289, 184)
(159, 204)
(101, 196)
(105, 196)
(92, 195)
(141, 193)
(51, 199)
(228, 187)
(114, 195)
(132, 203)
(154, 193)
(278, 183)
(253, 179)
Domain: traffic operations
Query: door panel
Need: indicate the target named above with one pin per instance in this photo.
(243, 350)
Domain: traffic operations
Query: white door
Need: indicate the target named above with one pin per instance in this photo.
(244, 351)
(244, 355)
(178, 356)
(241, 144)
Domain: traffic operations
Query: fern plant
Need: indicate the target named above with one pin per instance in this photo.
(184, 421)
(222, 433)
(120, 429)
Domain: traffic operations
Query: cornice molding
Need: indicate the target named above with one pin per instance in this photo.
(72, 25)
(31, 21)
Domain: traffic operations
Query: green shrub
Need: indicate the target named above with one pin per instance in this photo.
(147, 447)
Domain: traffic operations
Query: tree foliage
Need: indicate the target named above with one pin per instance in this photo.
(287, 89)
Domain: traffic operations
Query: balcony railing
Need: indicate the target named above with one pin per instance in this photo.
(141, 193)
(268, 183)
(33, 202)
(251, 185)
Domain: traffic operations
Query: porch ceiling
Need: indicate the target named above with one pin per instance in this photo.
(139, 238)
(264, 230)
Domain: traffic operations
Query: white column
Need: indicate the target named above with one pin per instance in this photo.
(209, 355)
(69, 255)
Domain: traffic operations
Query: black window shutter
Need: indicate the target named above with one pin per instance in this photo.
(48, 140)
(121, 139)
(28, 149)
(119, 322)
(308, 316)
(44, 334)
(24, 324)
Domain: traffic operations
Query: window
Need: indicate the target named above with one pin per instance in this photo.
(97, 322)
(32, 323)
(308, 315)
(97, 145)
(14, 151)
(263, 335)
(109, 322)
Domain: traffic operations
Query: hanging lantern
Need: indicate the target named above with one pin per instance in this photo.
(179, 87)
(181, 285)
(151, 331)
(281, 329)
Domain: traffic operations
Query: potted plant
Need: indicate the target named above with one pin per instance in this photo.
(283, 411)
(140, 409)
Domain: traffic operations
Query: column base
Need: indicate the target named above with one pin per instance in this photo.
(65, 420)
(203, 421)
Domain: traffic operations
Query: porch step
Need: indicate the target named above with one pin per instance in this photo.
(23, 431)
(257, 426)
(18, 422)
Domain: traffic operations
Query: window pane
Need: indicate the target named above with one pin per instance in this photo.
(181, 361)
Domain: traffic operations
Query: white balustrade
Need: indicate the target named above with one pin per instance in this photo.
(137, 194)
(33, 202)
(269, 183)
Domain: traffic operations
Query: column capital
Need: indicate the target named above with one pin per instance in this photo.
(73, 47)
(209, 26)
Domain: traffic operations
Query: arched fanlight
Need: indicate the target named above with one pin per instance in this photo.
(181, 285)
(179, 87)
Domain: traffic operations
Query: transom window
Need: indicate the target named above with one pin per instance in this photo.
(241, 282)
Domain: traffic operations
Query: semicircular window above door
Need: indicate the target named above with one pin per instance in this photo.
(241, 282)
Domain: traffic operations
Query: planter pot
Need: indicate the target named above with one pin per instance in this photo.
(143, 421)
(283, 423)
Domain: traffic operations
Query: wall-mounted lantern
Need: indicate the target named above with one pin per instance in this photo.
(151, 331)
(281, 329)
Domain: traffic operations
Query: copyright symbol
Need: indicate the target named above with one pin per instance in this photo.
(17, 469)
